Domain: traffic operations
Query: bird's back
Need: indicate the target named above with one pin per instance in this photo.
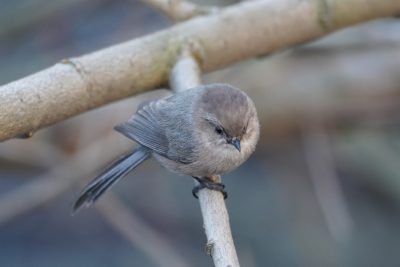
(166, 127)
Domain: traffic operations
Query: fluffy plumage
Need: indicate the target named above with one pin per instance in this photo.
(203, 131)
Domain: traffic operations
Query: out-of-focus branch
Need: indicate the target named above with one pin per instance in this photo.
(245, 30)
(179, 10)
(57, 180)
(319, 84)
(184, 75)
(138, 233)
(68, 172)
(328, 191)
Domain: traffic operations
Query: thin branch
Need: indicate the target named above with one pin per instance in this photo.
(326, 184)
(57, 180)
(69, 172)
(179, 10)
(138, 233)
(245, 30)
(186, 74)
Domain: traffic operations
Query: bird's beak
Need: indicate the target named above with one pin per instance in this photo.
(236, 143)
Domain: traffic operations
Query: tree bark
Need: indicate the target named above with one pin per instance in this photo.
(185, 74)
(248, 29)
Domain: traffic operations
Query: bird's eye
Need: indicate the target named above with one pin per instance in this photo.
(219, 130)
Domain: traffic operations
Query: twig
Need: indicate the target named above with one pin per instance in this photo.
(245, 30)
(326, 185)
(138, 233)
(179, 10)
(56, 181)
(186, 74)
(68, 172)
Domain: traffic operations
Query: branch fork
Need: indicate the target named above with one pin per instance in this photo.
(185, 74)
(238, 32)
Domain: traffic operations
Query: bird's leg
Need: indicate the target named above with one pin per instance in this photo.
(206, 182)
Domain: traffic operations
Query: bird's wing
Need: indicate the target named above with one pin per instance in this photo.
(145, 129)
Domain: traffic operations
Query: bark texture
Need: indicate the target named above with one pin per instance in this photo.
(248, 29)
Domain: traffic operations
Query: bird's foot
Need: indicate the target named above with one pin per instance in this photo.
(205, 182)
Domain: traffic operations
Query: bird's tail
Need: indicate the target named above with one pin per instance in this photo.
(110, 176)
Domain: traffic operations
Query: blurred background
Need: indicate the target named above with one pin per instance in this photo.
(322, 188)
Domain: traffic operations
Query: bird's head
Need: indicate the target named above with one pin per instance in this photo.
(228, 118)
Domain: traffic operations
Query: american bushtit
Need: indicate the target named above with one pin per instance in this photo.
(204, 131)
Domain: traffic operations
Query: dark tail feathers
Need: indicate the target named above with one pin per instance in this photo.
(110, 176)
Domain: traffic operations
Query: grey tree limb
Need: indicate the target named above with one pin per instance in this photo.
(248, 29)
(64, 175)
(185, 74)
(131, 226)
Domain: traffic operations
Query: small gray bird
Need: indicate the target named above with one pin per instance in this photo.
(204, 131)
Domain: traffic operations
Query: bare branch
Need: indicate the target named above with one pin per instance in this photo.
(138, 233)
(220, 243)
(179, 10)
(326, 184)
(248, 29)
(57, 180)
(69, 172)
(186, 74)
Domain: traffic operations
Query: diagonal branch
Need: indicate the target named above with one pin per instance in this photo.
(138, 233)
(55, 182)
(326, 184)
(249, 29)
(184, 75)
(47, 187)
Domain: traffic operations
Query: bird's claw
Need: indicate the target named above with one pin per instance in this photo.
(206, 183)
